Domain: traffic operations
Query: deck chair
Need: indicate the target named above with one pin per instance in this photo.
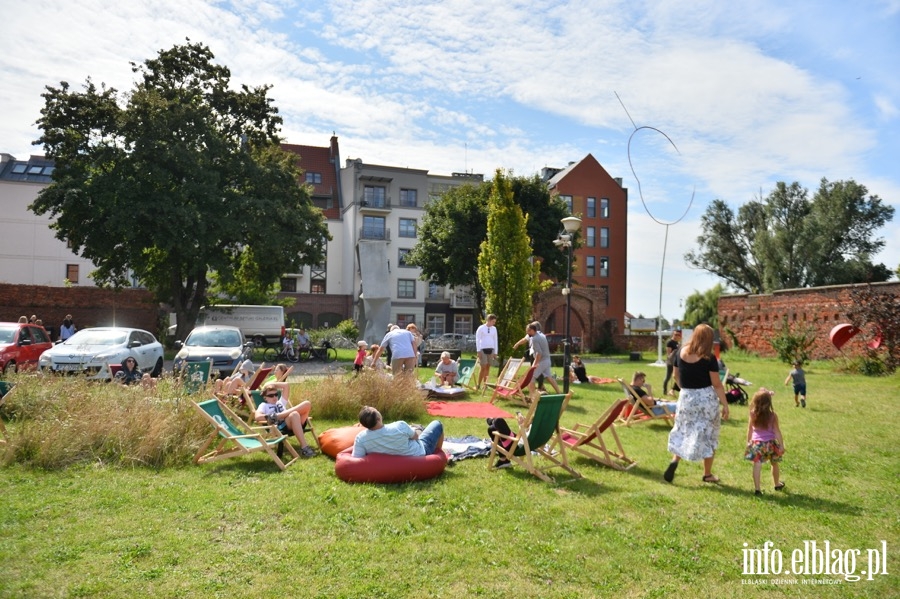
(258, 377)
(195, 375)
(539, 433)
(113, 370)
(466, 368)
(235, 438)
(639, 411)
(516, 390)
(508, 374)
(5, 389)
(588, 440)
(256, 398)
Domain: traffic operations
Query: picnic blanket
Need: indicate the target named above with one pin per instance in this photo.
(462, 448)
(466, 409)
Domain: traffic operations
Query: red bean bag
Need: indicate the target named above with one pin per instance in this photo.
(335, 440)
(383, 468)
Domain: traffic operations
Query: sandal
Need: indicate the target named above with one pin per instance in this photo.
(710, 478)
(779, 486)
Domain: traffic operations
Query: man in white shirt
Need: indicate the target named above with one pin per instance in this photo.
(486, 344)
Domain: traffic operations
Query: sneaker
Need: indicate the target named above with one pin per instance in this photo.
(803, 402)
(757, 492)
(307, 452)
(503, 464)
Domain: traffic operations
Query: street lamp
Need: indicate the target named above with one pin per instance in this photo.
(571, 224)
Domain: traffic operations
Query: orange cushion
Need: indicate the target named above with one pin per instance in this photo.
(335, 440)
(383, 468)
(626, 411)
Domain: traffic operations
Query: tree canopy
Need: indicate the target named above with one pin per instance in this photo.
(175, 179)
(703, 307)
(454, 226)
(786, 240)
(504, 269)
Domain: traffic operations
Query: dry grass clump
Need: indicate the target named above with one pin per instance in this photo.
(60, 421)
(338, 398)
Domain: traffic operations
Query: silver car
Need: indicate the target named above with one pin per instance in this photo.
(90, 351)
(223, 345)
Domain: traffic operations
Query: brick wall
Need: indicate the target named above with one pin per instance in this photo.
(89, 306)
(755, 319)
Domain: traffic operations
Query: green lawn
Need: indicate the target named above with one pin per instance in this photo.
(240, 528)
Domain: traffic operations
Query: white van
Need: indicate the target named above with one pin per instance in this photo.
(263, 325)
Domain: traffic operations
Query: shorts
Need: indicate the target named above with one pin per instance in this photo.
(484, 357)
(764, 451)
(800, 389)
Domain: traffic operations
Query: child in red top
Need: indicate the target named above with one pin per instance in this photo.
(360, 356)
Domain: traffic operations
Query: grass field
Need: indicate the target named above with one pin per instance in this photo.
(241, 528)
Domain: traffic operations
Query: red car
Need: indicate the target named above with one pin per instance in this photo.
(21, 345)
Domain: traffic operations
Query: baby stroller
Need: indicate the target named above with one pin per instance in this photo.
(736, 392)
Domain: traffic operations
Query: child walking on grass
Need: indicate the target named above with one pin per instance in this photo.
(764, 440)
(799, 378)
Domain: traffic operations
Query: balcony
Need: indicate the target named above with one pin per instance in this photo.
(462, 300)
(375, 206)
(376, 233)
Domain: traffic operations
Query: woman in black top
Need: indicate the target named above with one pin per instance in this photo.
(695, 435)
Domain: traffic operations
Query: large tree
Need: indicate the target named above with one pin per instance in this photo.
(786, 241)
(703, 307)
(504, 269)
(175, 179)
(455, 225)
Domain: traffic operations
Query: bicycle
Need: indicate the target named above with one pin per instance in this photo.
(326, 352)
(278, 353)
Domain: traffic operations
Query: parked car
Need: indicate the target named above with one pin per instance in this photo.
(89, 351)
(223, 345)
(21, 345)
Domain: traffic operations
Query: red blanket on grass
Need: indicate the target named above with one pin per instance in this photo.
(466, 409)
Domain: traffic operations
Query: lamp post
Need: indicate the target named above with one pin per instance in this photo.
(571, 224)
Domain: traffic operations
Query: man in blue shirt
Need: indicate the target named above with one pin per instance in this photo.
(396, 438)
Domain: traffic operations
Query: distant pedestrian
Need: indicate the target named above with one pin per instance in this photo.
(360, 360)
(798, 375)
(487, 348)
(67, 328)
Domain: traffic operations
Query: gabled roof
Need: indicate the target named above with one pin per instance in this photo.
(323, 161)
(587, 162)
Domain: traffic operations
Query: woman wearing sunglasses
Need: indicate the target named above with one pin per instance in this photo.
(276, 409)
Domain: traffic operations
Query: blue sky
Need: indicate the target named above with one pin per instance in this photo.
(750, 92)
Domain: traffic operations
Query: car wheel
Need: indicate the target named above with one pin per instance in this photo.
(259, 341)
(157, 370)
(9, 368)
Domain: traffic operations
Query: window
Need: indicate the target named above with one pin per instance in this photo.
(568, 201)
(317, 287)
(289, 284)
(435, 291)
(35, 170)
(373, 227)
(604, 207)
(407, 227)
(462, 324)
(72, 273)
(592, 207)
(604, 237)
(591, 237)
(405, 319)
(19, 169)
(591, 266)
(406, 288)
(604, 266)
(434, 324)
(39, 335)
(313, 177)
(373, 196)
(408, 197)
(401, 258)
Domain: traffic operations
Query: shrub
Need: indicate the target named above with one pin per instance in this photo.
(336, 399)
(348, 329)
(793, 344)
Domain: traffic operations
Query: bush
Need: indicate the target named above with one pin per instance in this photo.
(792, 345)
(336, 399)
(869, 365)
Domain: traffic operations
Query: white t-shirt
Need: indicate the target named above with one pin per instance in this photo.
(486, 336)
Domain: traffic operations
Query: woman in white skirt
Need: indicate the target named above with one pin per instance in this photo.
(695, 435)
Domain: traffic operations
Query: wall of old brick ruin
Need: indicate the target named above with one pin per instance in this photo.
(755, 319)
(89, 306)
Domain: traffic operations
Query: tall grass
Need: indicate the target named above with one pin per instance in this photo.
(341, 398)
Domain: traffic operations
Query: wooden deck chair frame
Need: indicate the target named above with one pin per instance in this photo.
(588, 439)
(258, 377)
(235, 438)
(640, 411)
(195, 376)
(256, 398)
(517, 391)
(5, 389)
(508, 374)
(537, 434)
(466, 368)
